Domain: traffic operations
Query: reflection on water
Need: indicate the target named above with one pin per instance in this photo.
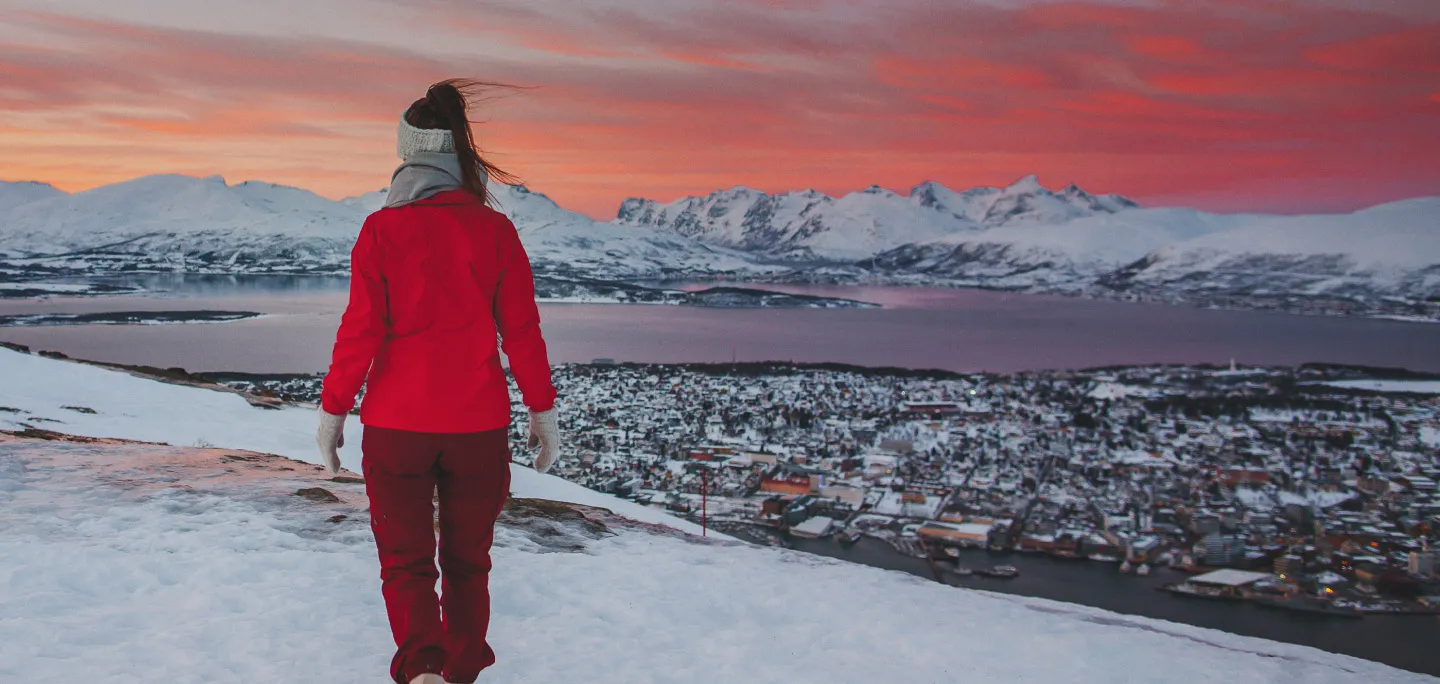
(204, 285)
(962, 330)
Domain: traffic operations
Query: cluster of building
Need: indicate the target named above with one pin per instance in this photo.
(1288, 475)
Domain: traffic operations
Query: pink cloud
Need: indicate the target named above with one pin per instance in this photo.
(1167, 100)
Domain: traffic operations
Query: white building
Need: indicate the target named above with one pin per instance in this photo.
(817, 526)
(1424, 563)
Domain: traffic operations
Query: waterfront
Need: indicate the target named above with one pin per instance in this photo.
(959, 330)
(1405, 641)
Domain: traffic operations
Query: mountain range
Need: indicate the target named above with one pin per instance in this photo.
(1022, 237)
(809, 226)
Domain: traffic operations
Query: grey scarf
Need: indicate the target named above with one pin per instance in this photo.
(423, 175)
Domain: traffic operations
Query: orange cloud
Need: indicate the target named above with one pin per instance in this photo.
(1166, 101)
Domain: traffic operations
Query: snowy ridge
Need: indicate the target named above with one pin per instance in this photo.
(14, 194)
(1023, 237)
(172, 222)
(563, 241)
(1391, 250)
(118, 561)
(171, 219)
(811, 225)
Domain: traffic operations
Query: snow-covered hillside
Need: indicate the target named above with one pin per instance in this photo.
(186, 223)
(811, 225)
(1391, 250)
(123, 562)
(1388, 250)
(173, 222)
(80, 399)
(1024, 201)
(563, 241)
(14, 194)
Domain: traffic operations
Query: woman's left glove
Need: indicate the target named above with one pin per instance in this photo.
(330, 437)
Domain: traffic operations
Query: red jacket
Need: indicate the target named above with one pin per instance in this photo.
(431, 284)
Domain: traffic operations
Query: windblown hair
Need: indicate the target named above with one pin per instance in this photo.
(445, 107)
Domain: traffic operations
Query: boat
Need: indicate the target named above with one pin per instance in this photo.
(848, 537)
(999, 572)
(960, 570)
(1143, 570)
(1125, 567)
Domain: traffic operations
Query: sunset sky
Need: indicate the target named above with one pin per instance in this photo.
(1232, 105)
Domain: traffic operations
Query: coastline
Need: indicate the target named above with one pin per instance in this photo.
(1293, 304)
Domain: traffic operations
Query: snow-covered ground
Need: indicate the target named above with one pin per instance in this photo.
(80, 399)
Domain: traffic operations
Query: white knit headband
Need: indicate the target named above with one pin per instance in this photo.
(410, 140)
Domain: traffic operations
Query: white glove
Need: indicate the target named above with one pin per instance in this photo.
(330, 437)
(545, 433)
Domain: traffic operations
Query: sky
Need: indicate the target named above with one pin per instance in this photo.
(1288, 106)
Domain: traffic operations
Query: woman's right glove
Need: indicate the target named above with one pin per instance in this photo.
(330, 437)
(545, 433)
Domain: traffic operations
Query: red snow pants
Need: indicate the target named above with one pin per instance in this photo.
(442, 635)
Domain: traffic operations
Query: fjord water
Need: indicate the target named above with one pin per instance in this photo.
(961, 330)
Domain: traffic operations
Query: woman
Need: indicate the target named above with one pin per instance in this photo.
(435, 274)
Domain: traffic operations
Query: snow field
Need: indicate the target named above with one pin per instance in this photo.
(139, 579)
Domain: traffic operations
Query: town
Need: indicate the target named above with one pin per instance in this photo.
(1302, 488)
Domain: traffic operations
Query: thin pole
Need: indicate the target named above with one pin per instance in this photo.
(704, 501)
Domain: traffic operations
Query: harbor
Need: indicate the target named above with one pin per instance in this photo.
(1402, 640)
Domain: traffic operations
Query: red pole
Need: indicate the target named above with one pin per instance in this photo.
(704, 499)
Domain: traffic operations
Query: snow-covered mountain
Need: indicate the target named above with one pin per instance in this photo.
(562, 241)
(177, 222)
(1024, 201)
(1391, 250)
(810, 225)
(14, 194)
(1023, 237)
(1387, 250)
(187, 223)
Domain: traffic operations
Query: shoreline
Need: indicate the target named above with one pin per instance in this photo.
(1284, 304)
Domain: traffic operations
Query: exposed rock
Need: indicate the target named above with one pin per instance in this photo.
(317, 495)
(555, 525)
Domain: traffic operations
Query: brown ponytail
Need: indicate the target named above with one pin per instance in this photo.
(444, 107)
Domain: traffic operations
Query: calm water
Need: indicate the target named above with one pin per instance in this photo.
(962, 330)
